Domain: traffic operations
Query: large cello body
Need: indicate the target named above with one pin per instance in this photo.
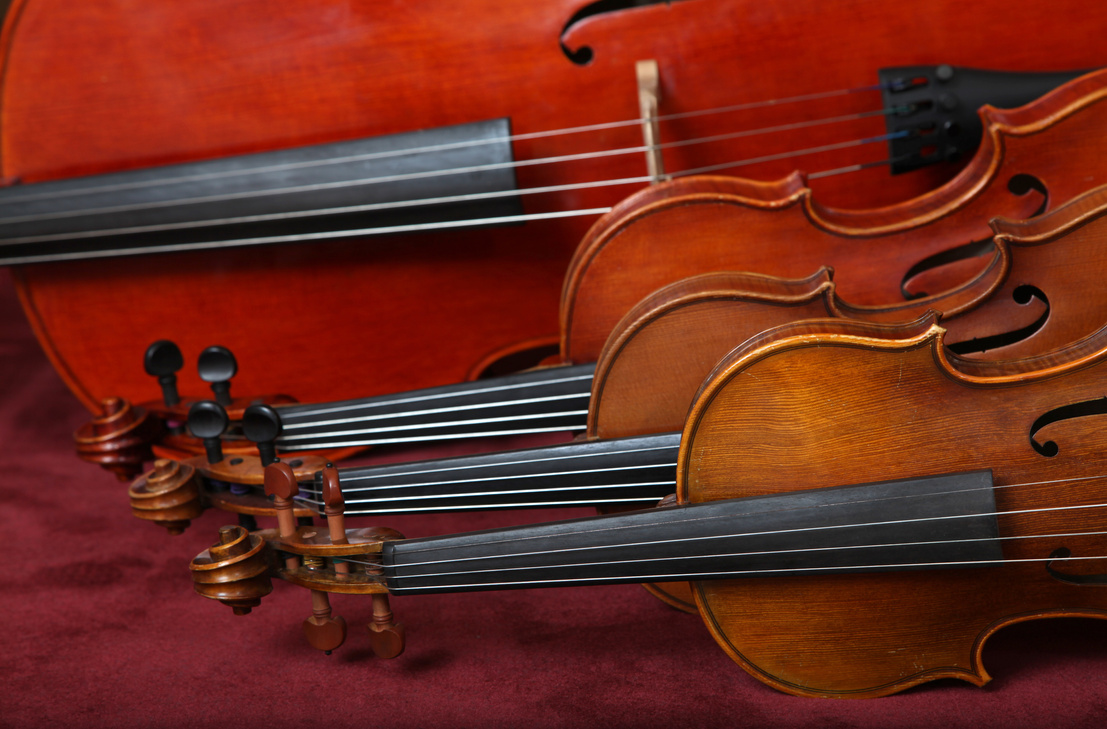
(98, 88)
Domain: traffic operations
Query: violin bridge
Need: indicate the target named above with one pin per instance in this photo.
(649, 95)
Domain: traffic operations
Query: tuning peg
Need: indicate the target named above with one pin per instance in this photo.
(333, 507)
(262, 424)
(280, 484)
(217, 365)
(323, 630)
(163, 360)
(386, 636)
(208, 420)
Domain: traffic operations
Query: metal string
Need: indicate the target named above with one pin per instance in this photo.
(419, 175)
(27, 194)
(324, 408)
(429, 411)
(771, 532)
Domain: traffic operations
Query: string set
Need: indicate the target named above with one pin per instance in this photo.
(380, 206)
(562, 553)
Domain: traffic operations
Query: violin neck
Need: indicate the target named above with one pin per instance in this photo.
(553, 399)
(308, 193)
(638, 470)
(925, 523)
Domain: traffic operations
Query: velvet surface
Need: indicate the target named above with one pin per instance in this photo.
(102, 628)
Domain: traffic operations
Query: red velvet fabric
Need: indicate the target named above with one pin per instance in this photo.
(102, 628)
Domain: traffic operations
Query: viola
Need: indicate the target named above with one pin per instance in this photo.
(151, 91)
(660, 354)
(843, 540)
(685, 227)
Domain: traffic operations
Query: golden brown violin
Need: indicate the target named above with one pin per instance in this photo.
(676, 336)
(431, 308)
(860, 510)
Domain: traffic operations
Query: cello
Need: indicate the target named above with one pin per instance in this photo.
(182, 83)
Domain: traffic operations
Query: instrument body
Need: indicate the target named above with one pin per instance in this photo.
(883, 255)
(158, 85)
(825, 404)
(661, 353)
(785, 232)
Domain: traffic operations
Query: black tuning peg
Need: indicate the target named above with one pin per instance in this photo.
(208, 420)
(262, 424)
(163, 360)
(217, 365)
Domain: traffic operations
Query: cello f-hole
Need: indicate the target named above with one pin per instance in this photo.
(583, 56)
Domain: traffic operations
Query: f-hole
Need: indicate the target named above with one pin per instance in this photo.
(584, 55)
(1022, 296)
(972, 249)
(1022, 184)
(1066, 412)
(1071, 579)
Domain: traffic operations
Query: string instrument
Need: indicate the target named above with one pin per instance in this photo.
(833, 513)
(651, 368)
(548, 396)
(1038, 294)
(685, 227)
(186, 84)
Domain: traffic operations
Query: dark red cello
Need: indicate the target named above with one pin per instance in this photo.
(94, 89)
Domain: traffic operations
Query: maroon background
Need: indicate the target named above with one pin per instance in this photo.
(102, 629)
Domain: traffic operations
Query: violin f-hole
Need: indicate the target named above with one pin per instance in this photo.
(1022, 295)
(1023, 184)
(583, 56)
(972, 249)
(1049, 449)
(1069, 578)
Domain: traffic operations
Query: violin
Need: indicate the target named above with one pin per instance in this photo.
(115, 437)
(663, 350)
(294, 76)
(842, 537)
(685, 227)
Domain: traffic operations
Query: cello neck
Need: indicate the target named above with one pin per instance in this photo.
(326, 191)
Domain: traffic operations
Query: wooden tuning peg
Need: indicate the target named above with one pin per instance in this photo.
(280, 484)
(217, 366)
(334, 507)
(163, 360)
(208, 421)
(262, 424)
(323, 630)
(385, 635)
